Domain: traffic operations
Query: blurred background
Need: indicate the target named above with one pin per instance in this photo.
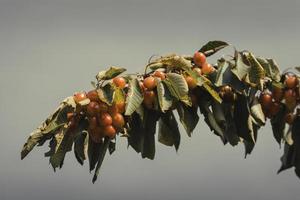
(51, 49)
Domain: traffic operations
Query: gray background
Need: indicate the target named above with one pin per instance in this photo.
(50, 49)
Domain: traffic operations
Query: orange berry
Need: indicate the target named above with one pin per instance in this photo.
(149, 83)
(207, 68)
(266, 100)
(79, 96)
(103, 107)
(199, 58)
(159, 74)
(93, 122)
(190, 82)
(93, 95)
(120, 82)
(93, 108)
(109, 131)
(291, 81)
(277, 94)
(118, 120)
(290, 95)
(149, 98)
(105, 119)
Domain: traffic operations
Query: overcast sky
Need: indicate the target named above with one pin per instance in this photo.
(50, 49)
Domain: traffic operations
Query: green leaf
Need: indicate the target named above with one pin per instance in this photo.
(271, 68)
(64, 141)
(112, 147)
(93, 153)
(278, 125)
(136, 132)
(212, 47)
(106, 93)
(188, 117)
(165, 99)
(257, 112)
(134, 98)
(110, 73)
(118, 95)
(230, 132)
(101, 156)
(209, 88)
(50, 126)
(241, 69)
(296, 139)
(148, 142)
(168, 132)
(257, 72)
(178, 87)
(287, 159)
(81, 146)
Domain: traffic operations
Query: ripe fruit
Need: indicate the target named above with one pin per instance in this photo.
(291, 81)
(277, 94)
(207, 68)
(227, 94)
(120, 82)
(118, 120)
(190, 82)
(105, 119)
(289, 118)
(197, 70)
(266, 100)
(290, 95)
(199, 58)
(149, 83)
(93, 95)
(149, 98)
(109, 131)
(275, 108)
(93, 108)
(79, 96)
(159, 74)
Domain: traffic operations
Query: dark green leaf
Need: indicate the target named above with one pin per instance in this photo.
(168, 132)
(278, 125)
(188, 117)
(106, 93)
(212, 47)
(287, 159)
(134, 98)
(112, 147)
(81, 146)
(165, 99)
(110, 73)
(93, 153)
(101, 156)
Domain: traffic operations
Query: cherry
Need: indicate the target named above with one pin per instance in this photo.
(79, 96)
(149, 98)
(93, 108)
(120, 82)
(109, 131)
(105, 119)
(159, 74)
(207, 68)
(277, 94)
(291, 81)
(227, 93)
(191, 82)
(199, 58)
(266, 99)
(70, 115)
(93, 95)
(290, 95)
(149, 83)
(118, 120)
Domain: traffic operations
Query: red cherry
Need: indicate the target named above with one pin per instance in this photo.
(199, 58)
(277, 94)
(93, 95)
(105, 119)
(79, 96)
(150, 83)
(118, 120)
(291, 81)
(109, 131)
(191, 82)
(207, 68)
(120, 82)
(159, 74)
(266, 100)
(93, 108)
